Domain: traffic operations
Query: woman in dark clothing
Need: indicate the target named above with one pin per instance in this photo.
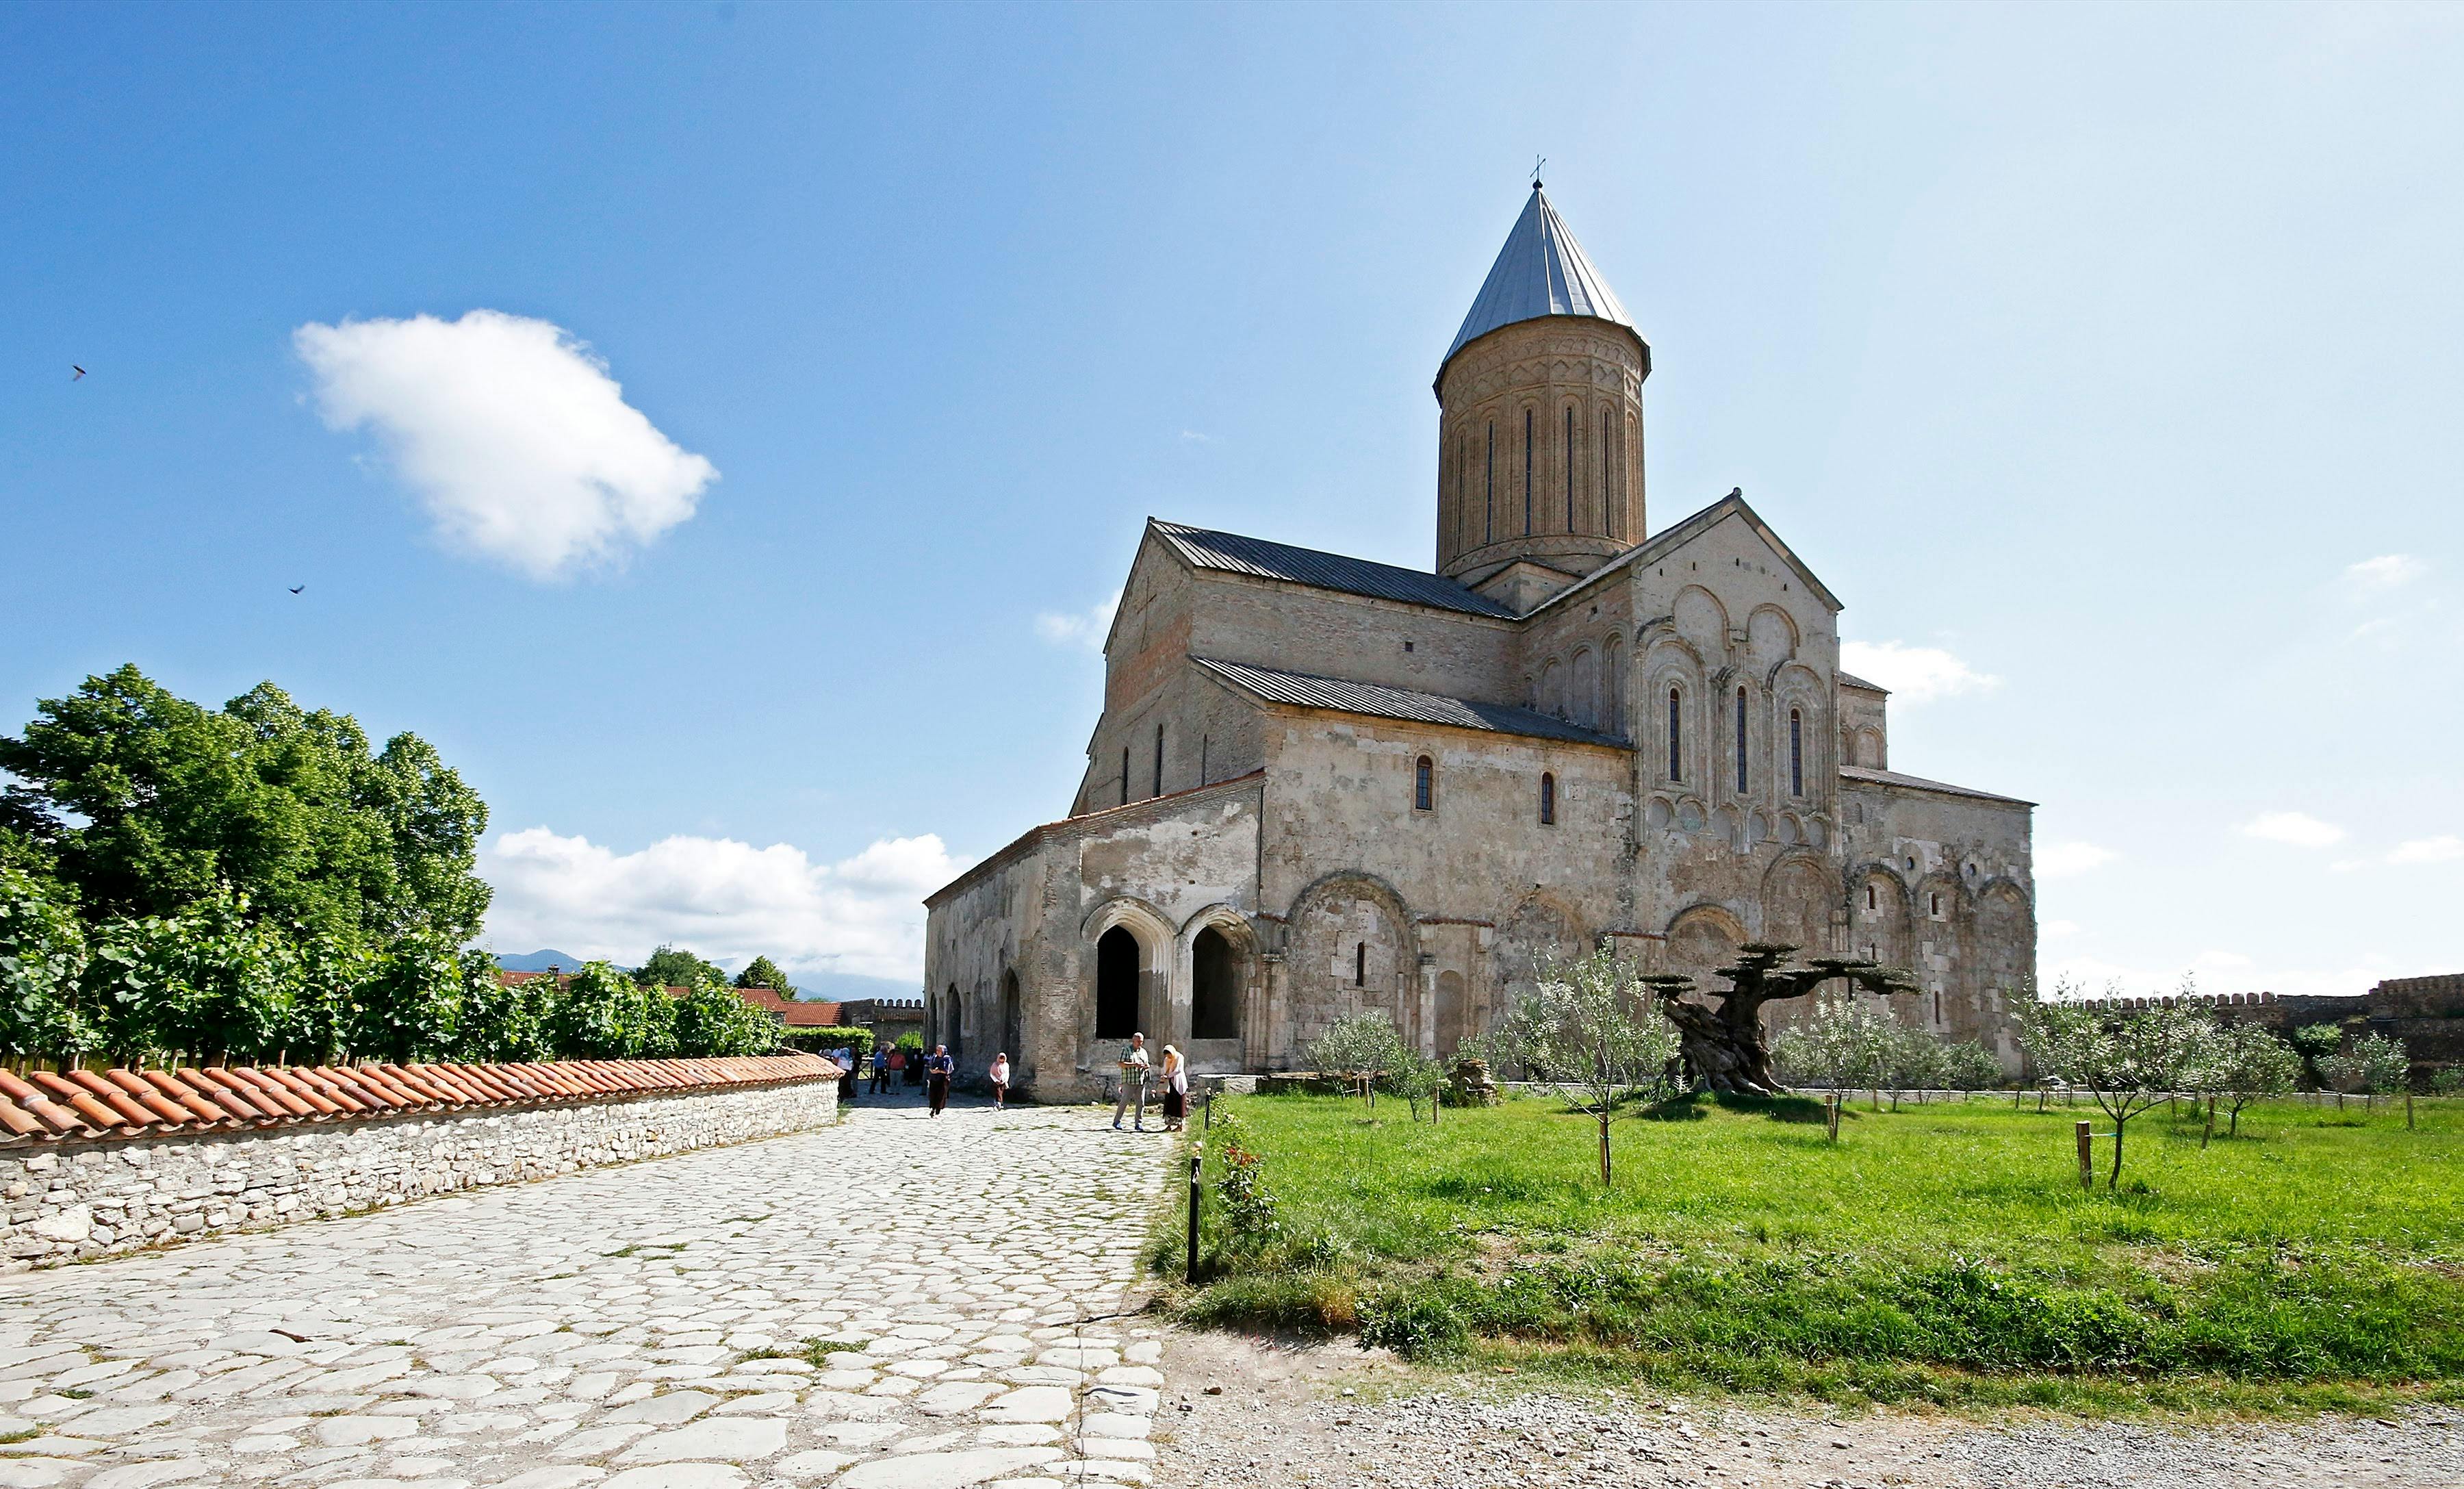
(936, 1076)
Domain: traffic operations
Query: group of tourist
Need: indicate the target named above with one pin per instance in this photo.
(892, 1066)
(1137, 1065)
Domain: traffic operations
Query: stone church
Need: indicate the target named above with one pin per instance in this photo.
(1323, 786)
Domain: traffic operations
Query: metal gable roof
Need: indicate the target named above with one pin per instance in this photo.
(1303, 690)
(1541, 271)
(1866, 775)
(1231, 553)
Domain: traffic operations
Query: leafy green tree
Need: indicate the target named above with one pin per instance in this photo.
(500, 1020)
(43, 958)
(149, 803)
(603, 1014)
(674, 966)
(763, 972)
(710, 1020)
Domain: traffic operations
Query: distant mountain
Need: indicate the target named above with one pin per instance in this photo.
(539, 961)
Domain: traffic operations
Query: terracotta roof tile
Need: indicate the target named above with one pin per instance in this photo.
(177, 1092)
(45, 1106)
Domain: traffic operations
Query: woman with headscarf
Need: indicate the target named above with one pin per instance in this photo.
(1176, 1088)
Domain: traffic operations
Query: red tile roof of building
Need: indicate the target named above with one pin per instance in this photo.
(42, 1106)
(794, 1013)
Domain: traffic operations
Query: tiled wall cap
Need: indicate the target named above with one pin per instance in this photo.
(43, 1107)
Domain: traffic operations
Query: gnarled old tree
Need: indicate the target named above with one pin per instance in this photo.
(1723, 1047)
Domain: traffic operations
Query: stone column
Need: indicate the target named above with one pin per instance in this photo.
(1428, 1001)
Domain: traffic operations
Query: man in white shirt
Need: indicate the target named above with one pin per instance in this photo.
(1133, 1081)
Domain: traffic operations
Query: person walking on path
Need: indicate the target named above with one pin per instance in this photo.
(1176, 1088)
(1135, 1065)
(1000, 1073)
(880, 1070)
(937, 1072)
(844, 1059)
(897, 1067)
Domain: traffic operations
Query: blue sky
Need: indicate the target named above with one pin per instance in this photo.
(2114, 354)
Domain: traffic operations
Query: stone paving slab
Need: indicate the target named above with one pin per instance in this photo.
(898, 1303)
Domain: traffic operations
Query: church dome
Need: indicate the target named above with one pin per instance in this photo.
(1540, 271)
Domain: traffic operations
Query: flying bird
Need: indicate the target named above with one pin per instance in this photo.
(295, 589)
(75, 371)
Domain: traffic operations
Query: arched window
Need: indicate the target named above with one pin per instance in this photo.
(1489, 519)
(1125, 775)
(1158, 770)
(1425, 784)
(1741, 739)
(1676, 740)
(1527, 472)
(1608, 466)
(1796, 753)
(1872, 902)
(1933, 903)
(1548, 799)
(1360, 964)
(1570, 467)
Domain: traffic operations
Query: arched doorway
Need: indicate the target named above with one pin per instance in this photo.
(950, 1022)
(1215, 990)
(1012, 1020)
(1116, 984)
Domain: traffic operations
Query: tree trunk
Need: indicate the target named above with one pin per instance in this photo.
(2114, 1183)
(1604, 1149)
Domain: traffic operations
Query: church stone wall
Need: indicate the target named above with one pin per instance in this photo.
(1162, 869)
(1942, 883)
(1477, 890)
(1340, 635)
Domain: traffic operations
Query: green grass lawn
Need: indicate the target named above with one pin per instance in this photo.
(1941, 1253)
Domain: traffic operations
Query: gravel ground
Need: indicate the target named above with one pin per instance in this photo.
(1241, 1413)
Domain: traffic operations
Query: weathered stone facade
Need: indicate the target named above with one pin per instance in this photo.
(1322, 785)
(77, 1198)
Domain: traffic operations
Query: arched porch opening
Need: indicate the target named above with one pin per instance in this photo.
(1214, 986)
(1117, 962)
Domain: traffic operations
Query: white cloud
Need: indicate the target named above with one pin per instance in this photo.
(2443, 848)
(513, 436)
(725, 899)
(1087, 628)
(1915, 674)
(2065, 860)
(1197, 438)
(2298, 828)
(2056, 930)
(2387, 571)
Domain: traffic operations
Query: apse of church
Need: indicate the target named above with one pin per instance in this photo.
(1322, 785)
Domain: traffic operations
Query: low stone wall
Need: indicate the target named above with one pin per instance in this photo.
(77, 1198)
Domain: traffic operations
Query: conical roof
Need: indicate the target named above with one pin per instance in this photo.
(1541, 271)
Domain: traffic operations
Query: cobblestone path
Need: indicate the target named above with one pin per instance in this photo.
(644, 1328)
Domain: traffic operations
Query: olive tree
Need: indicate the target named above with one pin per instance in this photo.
(1722, 1046)
(1586, 1031)
(2127, 1062)
(1362, 1049)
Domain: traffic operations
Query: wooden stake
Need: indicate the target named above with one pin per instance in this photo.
(2086, 1157)
(1197, 1156)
